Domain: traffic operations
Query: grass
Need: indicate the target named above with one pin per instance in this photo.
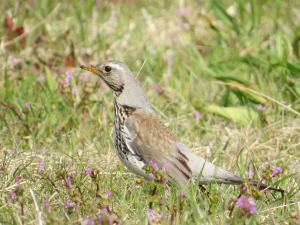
(205, 56)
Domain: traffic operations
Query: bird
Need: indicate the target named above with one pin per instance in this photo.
(140, 137)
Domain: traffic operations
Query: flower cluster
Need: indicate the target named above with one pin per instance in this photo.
(245, 201)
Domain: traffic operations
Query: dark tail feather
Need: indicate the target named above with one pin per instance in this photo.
(267, 187)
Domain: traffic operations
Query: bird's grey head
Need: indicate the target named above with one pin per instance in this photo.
(121, 81)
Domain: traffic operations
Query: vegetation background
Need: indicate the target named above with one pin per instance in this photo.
(222, 75)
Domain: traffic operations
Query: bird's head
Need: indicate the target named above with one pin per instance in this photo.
(121, 81)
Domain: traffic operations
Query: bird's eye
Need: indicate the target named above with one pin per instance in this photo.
(107, 68)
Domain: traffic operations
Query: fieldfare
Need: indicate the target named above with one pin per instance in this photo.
(140, 136)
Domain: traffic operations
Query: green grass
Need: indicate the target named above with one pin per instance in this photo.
(217, 50)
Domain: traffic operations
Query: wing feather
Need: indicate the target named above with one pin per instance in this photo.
(151, 139)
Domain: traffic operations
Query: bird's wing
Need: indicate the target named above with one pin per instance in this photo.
(151, 139)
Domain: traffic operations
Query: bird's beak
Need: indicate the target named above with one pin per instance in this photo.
(91, 68)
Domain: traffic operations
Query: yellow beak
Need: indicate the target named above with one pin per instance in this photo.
(91, 68)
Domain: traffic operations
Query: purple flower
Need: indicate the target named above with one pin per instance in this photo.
(73, 205)
(100, 217)
(182, 195)
(84, 77)
(104, 109)
(250, 174)
(67, 203)
(153, 164)
(260, 107)
(169, 60)
(162, 214)
(16, 139)
(104, 209)
(244, 189)
(62, 83)
(103, 85)
(98, 2)
(47, 206)
(157, 88)
(26, 104)
(197, 115)
(108, 194)
(71, 173)
(11, 195)
(14, 62)
(40, 76)
(150, 176)
(86, 220)
(183, 11)
(151, 213)
(69, 183)
(88, 171)
(164, 167)
(92, 222)
(246, 205)
(160, 202)
(68, 77)
(180, 23)
(275, 171)
(74, 90)
(109, 219)
(41, 165)
(18, 180)
(21, 71)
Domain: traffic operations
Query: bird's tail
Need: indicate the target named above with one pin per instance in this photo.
(267, 187)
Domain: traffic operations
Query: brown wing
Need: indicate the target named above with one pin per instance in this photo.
(151, 139)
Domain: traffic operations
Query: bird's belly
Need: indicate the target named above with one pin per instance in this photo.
(132, 162)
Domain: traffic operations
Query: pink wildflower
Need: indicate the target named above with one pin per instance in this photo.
(14, 62)
(41, 165)
(11, 195)
(108, 194)
(197, 115)
(74, 89)
(86, 220)
(103, 85)
(150, 176)
(151, 213)
(157, 88)
(182, 195)
(275, 171)
(250, 174)
(18, 180)
(169, 60)
(88, 171)
(67, 204)
(246, 205)
(69, 183)
(164, 167)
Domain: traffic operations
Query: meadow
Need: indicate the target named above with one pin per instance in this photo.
(222, 75)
